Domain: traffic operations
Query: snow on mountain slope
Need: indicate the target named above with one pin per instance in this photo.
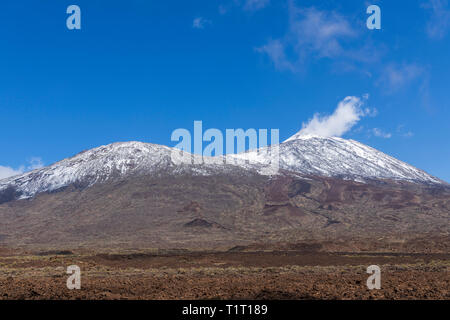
(103, 163)
(311, 155)
(337, 157)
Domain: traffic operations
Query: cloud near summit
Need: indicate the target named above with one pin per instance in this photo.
(348, 112)
(34, 163)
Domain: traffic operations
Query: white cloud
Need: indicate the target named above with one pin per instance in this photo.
(253, 5)
(34, 163)
(348, 112)
(6, 172)
(381, 134)
(439, 22)
(200, 23)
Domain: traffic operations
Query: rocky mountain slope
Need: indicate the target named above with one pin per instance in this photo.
(139, 195)
(222, 211)
(105, 163)
(305, 155)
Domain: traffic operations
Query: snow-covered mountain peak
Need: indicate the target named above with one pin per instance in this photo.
(340, 158)
(305, 154)
(302, 136)
(349, 159)
(92, 166)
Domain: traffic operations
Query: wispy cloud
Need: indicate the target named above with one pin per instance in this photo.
(200, 23)
(319, 31)
(408, 134)
(439, 22)
(253, 5)
(347, 114)
(396, 76)
(402, 131)
(245, 5)
(318, 34)
(223, 9)
(34, 163)
(6, 172)
(380, 133)
(275, 50)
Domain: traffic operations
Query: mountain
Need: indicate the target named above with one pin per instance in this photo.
(135, 194)
(98, 165)
(306, 155)
(341, 158)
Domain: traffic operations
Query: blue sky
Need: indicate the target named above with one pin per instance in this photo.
(137, 70)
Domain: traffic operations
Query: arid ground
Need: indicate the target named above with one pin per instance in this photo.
(227, 237)
(252, 272)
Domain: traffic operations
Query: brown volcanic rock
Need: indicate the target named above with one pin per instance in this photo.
(168, 211)
(193, 206)
(201, 223)
(296, 272)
